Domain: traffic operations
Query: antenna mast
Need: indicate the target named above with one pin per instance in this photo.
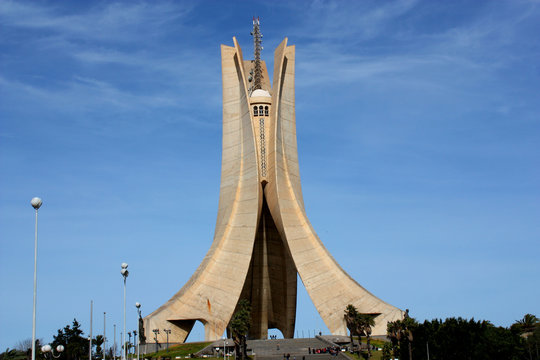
(257, 41)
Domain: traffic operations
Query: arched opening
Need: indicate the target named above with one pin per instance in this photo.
(275, 334)
(308, 321)
(197, 332)
(261, 110)
(266, 111)
(255, 111)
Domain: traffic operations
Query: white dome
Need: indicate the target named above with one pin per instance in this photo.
(260, 92)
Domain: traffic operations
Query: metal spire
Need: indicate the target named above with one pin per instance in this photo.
(257, 41)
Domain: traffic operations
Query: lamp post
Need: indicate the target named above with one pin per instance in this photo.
(36, 204)
(138, 306)
(47, 349)
(167, 331)
(90, 337)
(156, 332)
(114, 342)
(129, 343)
(134, 344)
(224, 347)
(104, 337)
(125, 274)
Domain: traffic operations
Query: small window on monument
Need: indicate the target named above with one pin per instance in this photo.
(261, 110)
(255, 112)
(266, 111)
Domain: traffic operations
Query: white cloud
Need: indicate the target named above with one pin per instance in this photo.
(337, 43)
(188, 67)
(109, 22)
(85, 94)
(337, 20)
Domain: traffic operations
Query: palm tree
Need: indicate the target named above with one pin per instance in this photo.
(366, 322)
(408, 324)
(525, 328)
(528, 323)
(393, 331)
(351, 316)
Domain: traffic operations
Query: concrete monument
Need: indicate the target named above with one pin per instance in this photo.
(263, 237)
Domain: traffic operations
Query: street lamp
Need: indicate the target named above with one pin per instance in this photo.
(114, 342)
(167, 331)
(224, 347)
(138, 306)
(135, 336)
(156, 332)
(104, 337)
(47, 349)
(125, 274)
(36, 204)
(129, 343)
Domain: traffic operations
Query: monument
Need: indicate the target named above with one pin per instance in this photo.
(263, 237)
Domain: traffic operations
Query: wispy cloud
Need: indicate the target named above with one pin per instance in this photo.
(87, 101)
(108, 53)
(106, 22)
(188, 67)
(325, 20)
(81, 94)
(347, 50)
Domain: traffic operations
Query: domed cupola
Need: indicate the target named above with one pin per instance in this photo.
(260, 101)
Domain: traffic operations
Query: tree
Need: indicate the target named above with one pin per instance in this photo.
(359, 324)
(24, 345)
(387, 351)
(351, 317)
(14, 354)
(526, 327)
(365, 323)
(458, 338)
(393, 331)
(400, 333)
(240, 324)
(75, 345)
(408, 325)
(98, 341)
(38, 350)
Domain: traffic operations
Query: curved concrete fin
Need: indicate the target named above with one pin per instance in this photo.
(213, 291)
(331, 289)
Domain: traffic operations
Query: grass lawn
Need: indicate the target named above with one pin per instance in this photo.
(180, 350)
(375, 355)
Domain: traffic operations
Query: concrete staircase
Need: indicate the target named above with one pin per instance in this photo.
(297, 348)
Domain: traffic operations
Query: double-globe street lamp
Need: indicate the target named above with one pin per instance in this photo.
(156, 332)
(47, 349)
(134, 344)
(129, 343)
(36, 204)
(125, 274)
(167, 331)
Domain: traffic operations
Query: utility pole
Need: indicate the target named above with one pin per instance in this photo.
(104, 338)
(90, 339)
(114, 344)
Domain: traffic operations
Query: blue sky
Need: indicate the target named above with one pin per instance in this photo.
(418, 133)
